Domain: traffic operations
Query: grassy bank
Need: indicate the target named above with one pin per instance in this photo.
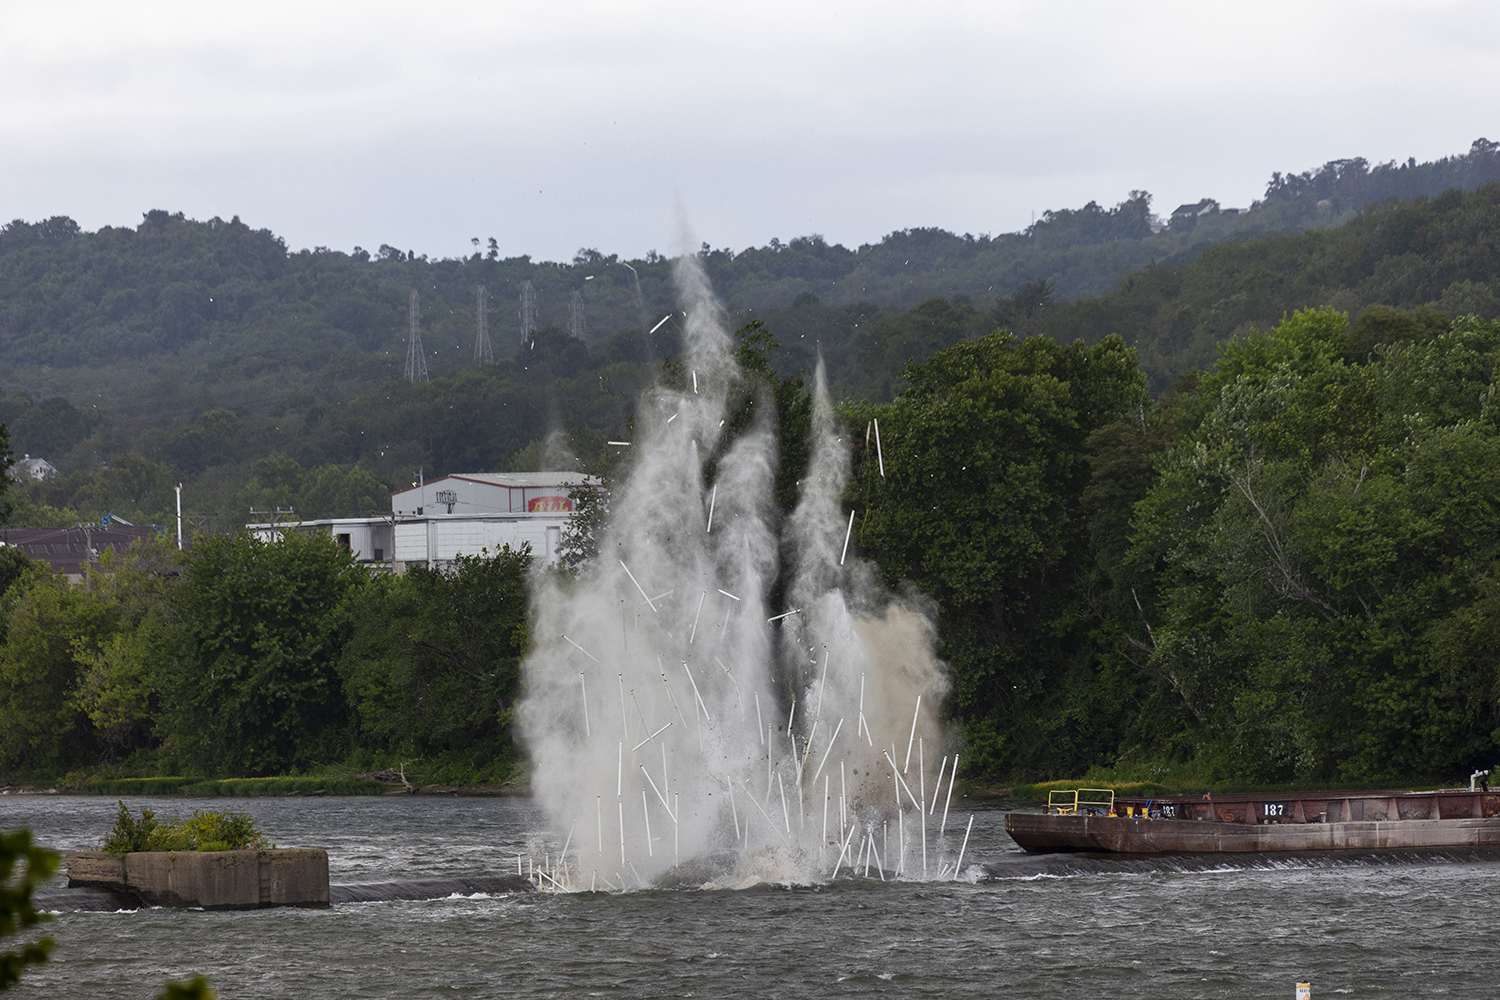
(234, 787)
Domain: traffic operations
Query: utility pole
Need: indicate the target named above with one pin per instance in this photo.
(528, 313)
(482, 350)
(575, 315)
(416, 357)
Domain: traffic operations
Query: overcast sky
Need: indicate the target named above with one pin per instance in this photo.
(553, 126)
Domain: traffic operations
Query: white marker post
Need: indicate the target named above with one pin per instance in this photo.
(949, 800)
(912, 738)
(938, 788)
(959, 866)
(694, 633)
(847, 532)
(654, 789)
(822, 843)
(646, 808)
(624, 719)
(639, 587)
(828, 750)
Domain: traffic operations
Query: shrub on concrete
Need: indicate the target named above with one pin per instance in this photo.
(204, 831)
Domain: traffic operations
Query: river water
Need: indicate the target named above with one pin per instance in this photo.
(1370, 926)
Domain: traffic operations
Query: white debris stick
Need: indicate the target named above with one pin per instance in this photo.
(584, 684)
(638, 586)
(959, 866)
(694, 633)
(913, 737)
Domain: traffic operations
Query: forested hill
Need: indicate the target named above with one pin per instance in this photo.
(176, 316)
(1439, 253)
(1429, 258)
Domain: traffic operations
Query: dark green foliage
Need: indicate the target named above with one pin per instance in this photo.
(261, 430)
(23, 867)
(14, 565)
(1323, 535)
(1439, 253)
(135, 786)
(204, 831)
(432, 668)
(177, 317)
(268, 623)
(130, 834)
(986, 462)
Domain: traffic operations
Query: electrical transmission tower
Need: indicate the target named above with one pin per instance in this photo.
(575, 315)
(482, 350)
(416, 357)
(528, 313)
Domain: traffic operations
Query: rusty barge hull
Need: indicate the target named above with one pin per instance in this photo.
(1259, 824)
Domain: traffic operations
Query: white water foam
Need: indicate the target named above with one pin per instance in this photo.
(674, 719)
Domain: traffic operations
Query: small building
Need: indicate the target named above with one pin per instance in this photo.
(490, 493)
(27, 467)
(433, 523)
(69, 550)
(1195, 209)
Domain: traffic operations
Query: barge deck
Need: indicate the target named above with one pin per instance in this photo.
(1244, 823)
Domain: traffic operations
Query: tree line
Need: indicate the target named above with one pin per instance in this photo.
(244, 657)
(176, 316)
(1282, 570)
(561, 397)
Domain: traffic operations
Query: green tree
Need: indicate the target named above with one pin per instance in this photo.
(342, 491)
(986, 459)
(46, 626)
(1323, 538)
(433, 665)
(267, 622)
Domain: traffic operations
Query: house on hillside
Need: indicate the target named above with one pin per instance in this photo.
(27, 467)
(1197, 208)
(434, 522)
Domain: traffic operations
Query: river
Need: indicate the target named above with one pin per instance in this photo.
(1369, 926)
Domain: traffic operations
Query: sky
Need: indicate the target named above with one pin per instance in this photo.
(635, 126)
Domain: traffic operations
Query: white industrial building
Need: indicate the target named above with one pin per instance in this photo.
(434, 522)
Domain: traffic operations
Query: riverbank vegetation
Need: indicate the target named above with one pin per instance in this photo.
(1283, 571)
(1278, 566)
(240, 658)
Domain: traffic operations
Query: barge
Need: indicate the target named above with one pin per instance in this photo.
(1094, 820)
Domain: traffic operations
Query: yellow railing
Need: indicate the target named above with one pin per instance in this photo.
(1091, 801)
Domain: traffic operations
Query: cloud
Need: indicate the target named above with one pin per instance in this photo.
(554, 126)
